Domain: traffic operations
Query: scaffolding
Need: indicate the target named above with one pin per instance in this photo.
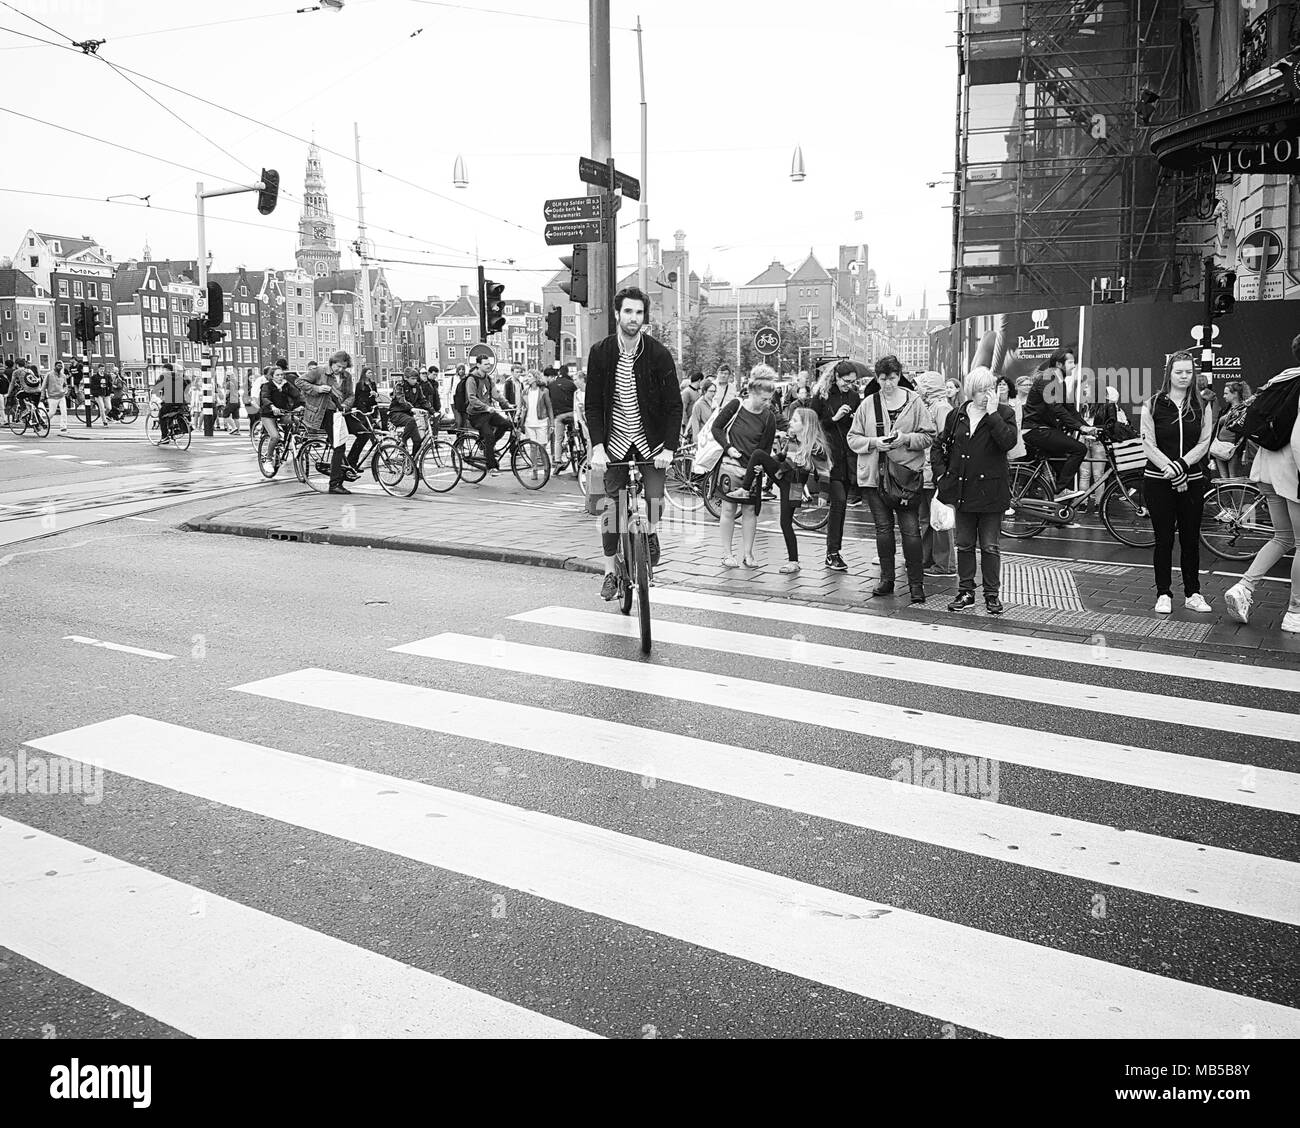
(1056, 186)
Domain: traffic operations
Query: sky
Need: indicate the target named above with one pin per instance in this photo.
(866, 88)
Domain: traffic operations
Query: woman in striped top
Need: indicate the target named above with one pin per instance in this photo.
(1176, 433)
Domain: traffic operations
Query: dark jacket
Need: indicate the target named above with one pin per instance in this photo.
(970, 471)
(562, 389)
(657, 392)
(286, 397)
(1047, 405)
(431, 395)
(837, 433)
(723, 421)
(406, 398)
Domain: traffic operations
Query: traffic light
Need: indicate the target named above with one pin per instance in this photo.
(216, 305)
(79, 324)
(267, 196)
(553, 319)
(92, 323)
(495, 315)
(213, 336)
(1224, 297)
(194, 330)
(576, 264)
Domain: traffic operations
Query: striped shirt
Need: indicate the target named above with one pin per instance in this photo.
(626, 429)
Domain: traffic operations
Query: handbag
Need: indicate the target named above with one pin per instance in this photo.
(709, 449)
(899, 486)
(947, 484)
(942, 516)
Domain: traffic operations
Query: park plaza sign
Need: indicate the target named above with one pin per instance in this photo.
(1041, 339)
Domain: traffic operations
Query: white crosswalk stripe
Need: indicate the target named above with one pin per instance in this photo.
(126, 931)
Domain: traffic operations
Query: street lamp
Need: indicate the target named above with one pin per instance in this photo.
(459, 177)
(796, 165)
(323, 6)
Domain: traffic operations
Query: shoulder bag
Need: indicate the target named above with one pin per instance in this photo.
(899, 486)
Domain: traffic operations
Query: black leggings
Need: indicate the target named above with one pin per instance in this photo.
(837, 489)
(1172, 511)
(791, 497)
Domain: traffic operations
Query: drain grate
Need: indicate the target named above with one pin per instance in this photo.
(281, 535)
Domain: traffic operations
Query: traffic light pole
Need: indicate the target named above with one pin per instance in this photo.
(1207, 322)
(611, 252)
(601, 264)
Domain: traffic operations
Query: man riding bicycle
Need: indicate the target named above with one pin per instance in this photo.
(1047, 417)
(562, 390)
(634, 414)
(173, 399)
(481, 409)
(409, 395)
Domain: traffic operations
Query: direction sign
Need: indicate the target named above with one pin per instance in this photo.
(1260, 251)
(573, 207)
(581, 231)
(593, 172)
(767, 341)
(485, 355)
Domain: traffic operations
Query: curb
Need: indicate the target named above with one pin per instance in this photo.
(210, 524)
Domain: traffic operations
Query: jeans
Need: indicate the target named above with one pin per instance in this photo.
(1057, 444)
(882, 516)
(1172, 511)
(987, 528)
(355, 427)
(791, 497)
(936, 546)
(1286, 523)
(653, 481)
(837, 490)
(490, 428)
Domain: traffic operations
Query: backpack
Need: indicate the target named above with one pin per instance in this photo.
(460, 399)
(33, 380)
(1271, 413)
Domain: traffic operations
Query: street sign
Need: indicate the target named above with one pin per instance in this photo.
(573, 208)
(581, 231)
(594, 172)
(1260, 251)
(200, 302)
(767, 341)
(485, 355)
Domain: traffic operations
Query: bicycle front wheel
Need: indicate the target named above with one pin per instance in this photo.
(42, 424)
(394, 468)
(641, 573)
(181, 433)
(153, 429)
(267, 461)
(1235, 520)
(815, 511)
(473, 462)
(531, 464)
(708, 486)
(130, 411)
(1124, 511)
(313, 464)
(681, 490)
(1026, 485)
(625, 579)
(440, 466)
(18, 420)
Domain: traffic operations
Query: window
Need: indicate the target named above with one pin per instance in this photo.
(65, 343)
(451, 334)
(465, 334)
(108, 346)
(108, 317)
(40, 317)
(92, 291)
(76, 290)
(42, 339)
(63, 287)
(57, 247)
(35, 262)
(27, 314)
(9, 314)
(27, 334)
(299, 310)
(31, 240)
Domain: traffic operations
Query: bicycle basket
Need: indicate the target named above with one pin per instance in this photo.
(1129, 455)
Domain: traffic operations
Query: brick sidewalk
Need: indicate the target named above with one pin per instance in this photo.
(1074, 600)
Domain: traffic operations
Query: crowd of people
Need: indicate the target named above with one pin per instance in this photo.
(95, 392)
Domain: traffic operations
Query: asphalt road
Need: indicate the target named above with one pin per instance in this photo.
(752, 853)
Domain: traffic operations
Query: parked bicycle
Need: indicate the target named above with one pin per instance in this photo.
(1235, 521)
(1121, 488)
(27, 413)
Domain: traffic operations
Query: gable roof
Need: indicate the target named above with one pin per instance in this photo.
(461, 307)
(71, 244)
(15, 284)
(774, 275)
(810, 271)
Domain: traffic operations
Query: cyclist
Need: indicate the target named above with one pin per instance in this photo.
(173, 399)
(277, 396)
(561, 389)
(28, 387)
(433, 393)
(118, 391)
(409, 394)
(1047, 417)
(634, 413)
(481, 400)
(330, 393)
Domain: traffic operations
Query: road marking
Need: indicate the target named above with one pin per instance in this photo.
(1052, 650)
(149, 520)
(215, 968)
(33, 451)
(1164, 867)
(62, 457)
(118, 646)
(93, 462)
(1220, 780)
(952, 972)
(941, 675)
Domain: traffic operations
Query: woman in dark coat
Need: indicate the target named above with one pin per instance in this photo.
(970, 473)
(835, 401)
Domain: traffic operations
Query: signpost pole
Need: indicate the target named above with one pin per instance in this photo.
(602, 150)
(611, 250)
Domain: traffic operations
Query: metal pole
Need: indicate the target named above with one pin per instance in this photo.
(205, 350)
(957, 174)
(1207, 322)
(600, 267)
(367, 314)
(643, 213)
(611, 275)
(681, 274)
(737, 332)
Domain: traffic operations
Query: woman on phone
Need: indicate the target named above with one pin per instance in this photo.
(834, 402)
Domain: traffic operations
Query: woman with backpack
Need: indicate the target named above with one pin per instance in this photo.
(1277, 473)
(970, 474)
(1177, 427)
(890, 433)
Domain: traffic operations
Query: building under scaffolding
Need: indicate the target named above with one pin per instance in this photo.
(1055, 186)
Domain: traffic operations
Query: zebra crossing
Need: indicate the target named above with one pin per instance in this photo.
(911, 899)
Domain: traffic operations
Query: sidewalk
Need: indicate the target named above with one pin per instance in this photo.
(1072, 600)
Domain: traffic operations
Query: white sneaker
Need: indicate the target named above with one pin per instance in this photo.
(1237, 600)
(1291, 622)
(1164, 605)
(1196, 602)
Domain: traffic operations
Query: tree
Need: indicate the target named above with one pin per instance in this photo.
(695, 346)
(719, 352)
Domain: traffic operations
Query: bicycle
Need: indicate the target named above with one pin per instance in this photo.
(271, 456)
(128, 411)
(436, 461)
(1121, 487)
(29, 413)
(632, 565)
(1235, 519)
(573, 449)
(528, 459)
(181, 431)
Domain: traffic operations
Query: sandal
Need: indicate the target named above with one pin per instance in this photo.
(748, 562)
(789, 569)
(730, 562)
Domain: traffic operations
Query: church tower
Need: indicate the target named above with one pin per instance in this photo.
(317, 252)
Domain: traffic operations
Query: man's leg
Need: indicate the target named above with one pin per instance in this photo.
(610, 520)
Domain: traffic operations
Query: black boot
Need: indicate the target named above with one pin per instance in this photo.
(964, 599)
(885, 587)
(918, 593)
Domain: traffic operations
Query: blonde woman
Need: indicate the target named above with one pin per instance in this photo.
(744, 428)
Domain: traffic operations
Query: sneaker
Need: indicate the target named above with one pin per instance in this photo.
(1065, 495)
(789, 569)
(737, 495)
(835, 562)
(609, 588)
(1291, 622)
(993, 605)
(854, 501)
(1164, 605)
(1237, 599)
(1196, 602)
(964, 599)
(338, 490)
(653, 539)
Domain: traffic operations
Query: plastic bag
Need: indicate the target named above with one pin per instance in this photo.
(942, 517)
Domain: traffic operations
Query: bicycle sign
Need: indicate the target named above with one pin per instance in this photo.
(767, 341)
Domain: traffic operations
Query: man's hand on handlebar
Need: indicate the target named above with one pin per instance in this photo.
(663, 460)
